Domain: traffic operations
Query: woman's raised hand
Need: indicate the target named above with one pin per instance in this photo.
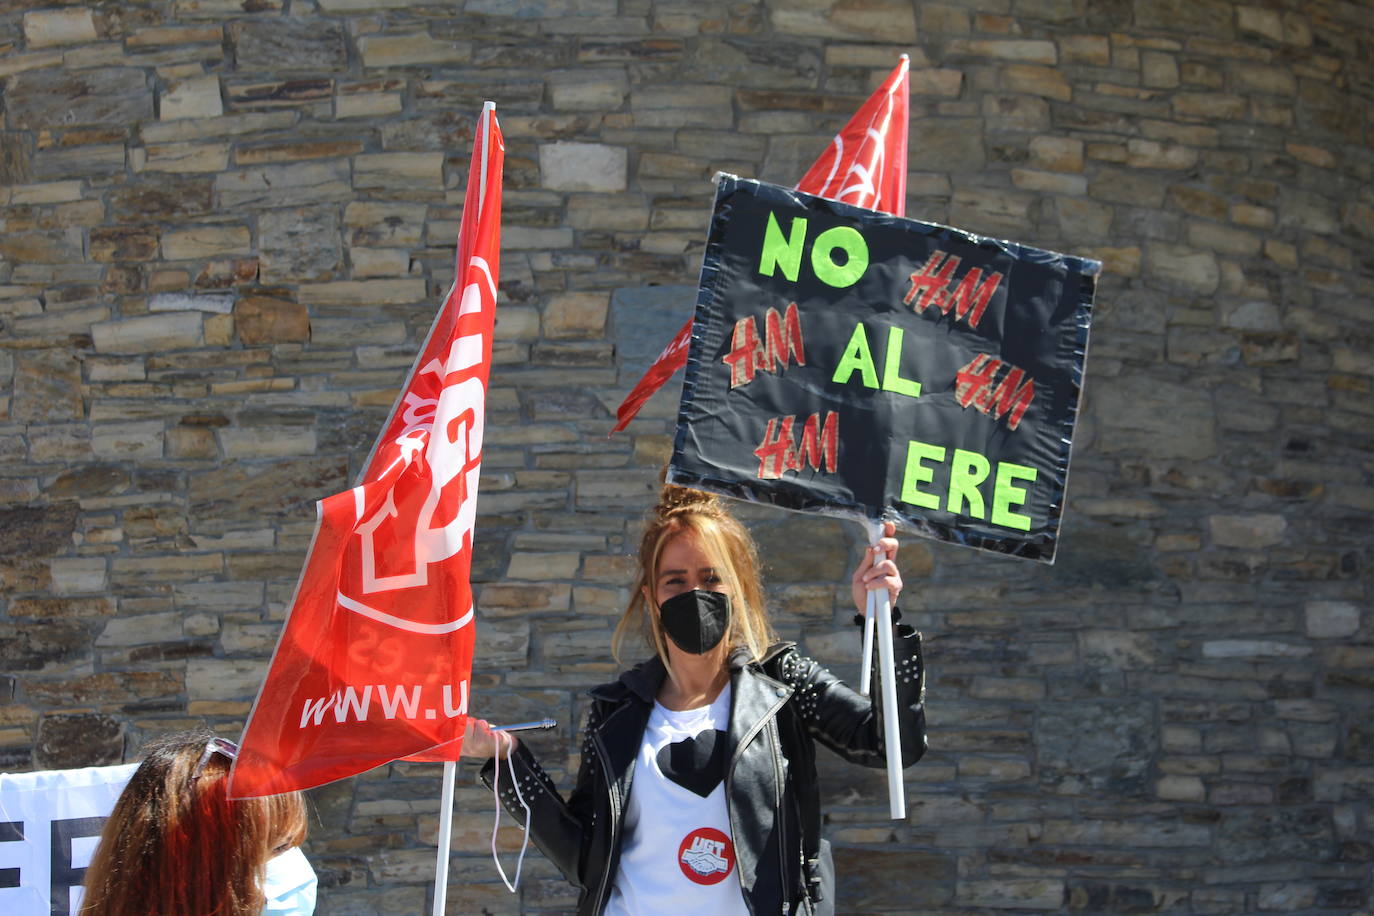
(480, 742)
(871, 576)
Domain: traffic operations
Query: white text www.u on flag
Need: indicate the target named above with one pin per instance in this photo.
(395, 701)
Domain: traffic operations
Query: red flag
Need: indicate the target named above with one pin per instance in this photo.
(374, 661)
(865, 165)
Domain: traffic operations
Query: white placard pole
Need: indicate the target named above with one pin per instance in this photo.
(892, 741)
(866, 669)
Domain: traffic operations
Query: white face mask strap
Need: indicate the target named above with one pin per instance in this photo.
(496, 824)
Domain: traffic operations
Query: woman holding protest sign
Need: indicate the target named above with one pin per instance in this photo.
(177, 845)
(697, 788)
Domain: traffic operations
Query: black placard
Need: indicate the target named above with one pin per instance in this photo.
(858, 364)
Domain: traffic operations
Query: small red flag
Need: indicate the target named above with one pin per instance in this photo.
(375, 657)
(865, 165)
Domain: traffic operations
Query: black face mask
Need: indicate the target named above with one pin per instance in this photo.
(695, 620)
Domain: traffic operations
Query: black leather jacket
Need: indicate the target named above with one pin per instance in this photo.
(780, 706)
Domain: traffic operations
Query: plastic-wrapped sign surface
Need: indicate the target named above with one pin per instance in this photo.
(858, 364)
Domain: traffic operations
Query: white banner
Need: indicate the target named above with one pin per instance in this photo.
(49, 825)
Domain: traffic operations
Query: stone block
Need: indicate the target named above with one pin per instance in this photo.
(78, 575)
(588, 90)
(1016, 112)
(149, 333)
(65, 98)
(137, 631)
(1181, 788)
(1159, 70)
(46, 386)
(521, 238)
(68, 742)
(206, 242)
(379, 262)
(1021, 50)
(368, 105)
(364, 293)
(414, 50)
(882, 20)
(1224, 239)
(398, 170)
(128, 441)
(185, 158)
(197, 97)
(1209, 106)
(1255, 20)
(49, 192)
(1182, 268)
(681, 105)
(569, 166)
(184, 302)
(224, 678)
(1049, 182)
(377, 224)
(304, 183)
(49, 28)
(544, 566)
(49, 247)
(1331, 619)
(1013, 893)
(1130, 416)
(576, 315)
(937, 82)
(1264, 79)
(266, 441)
(1056, 154)
(1119, 649)
(283, 44)
(298, 244)
(990, 212)
(516, 323)
(291, 151)
(124, 243)
(1249, 532)
(1148, 154)
(249, 491)
(37, 531)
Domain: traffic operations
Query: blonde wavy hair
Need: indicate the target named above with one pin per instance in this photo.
(732, 551)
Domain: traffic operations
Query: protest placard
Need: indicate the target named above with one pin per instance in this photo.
(860, 364)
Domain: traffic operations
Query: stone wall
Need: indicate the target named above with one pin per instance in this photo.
(226, 226)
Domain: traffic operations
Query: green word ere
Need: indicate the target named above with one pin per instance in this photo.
(967, 472)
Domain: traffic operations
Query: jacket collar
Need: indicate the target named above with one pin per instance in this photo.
(644, 680)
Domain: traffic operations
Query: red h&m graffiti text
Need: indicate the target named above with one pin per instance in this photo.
(781, 343)
(1011, 398)
(820, 445)
(930, 286)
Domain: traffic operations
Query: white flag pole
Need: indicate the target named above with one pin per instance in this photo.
(445, 837)
(892, 740)
(451, 766)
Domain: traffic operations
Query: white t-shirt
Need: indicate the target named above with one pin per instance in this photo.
(677, 855)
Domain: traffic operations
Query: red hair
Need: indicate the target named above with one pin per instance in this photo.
(177, 845)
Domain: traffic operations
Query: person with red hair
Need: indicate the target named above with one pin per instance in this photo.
(177, 845)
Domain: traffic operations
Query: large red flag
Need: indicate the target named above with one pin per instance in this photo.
(374, 660)
(865, 165)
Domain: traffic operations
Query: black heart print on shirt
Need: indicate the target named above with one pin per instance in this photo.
(697, 763)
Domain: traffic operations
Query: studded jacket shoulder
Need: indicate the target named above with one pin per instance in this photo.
(783, 705)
